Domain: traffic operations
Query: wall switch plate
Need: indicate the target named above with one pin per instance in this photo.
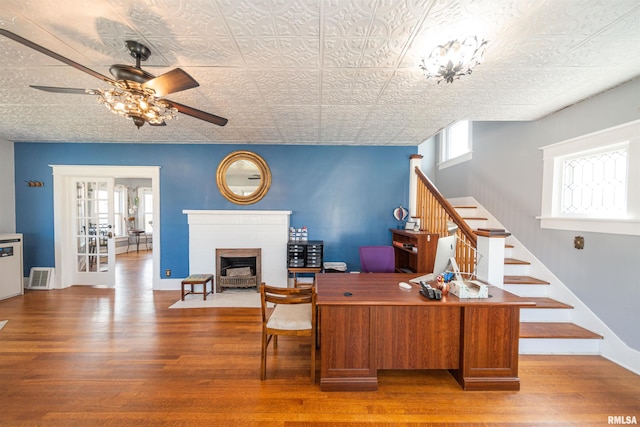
(578, 242)
(167, 272)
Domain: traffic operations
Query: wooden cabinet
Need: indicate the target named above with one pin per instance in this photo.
(415, 251)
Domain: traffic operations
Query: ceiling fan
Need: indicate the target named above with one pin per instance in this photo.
(136, 94)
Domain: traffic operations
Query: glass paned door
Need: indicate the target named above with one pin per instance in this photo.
(93, 231)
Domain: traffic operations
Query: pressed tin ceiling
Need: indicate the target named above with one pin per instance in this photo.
(310, 72)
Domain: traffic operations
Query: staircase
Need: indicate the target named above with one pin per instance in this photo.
(548, 328)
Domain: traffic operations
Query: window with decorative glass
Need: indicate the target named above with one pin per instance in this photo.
(591, 183)
(595, 184)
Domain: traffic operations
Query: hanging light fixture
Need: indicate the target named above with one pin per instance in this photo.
(129, 99)
(454, 59)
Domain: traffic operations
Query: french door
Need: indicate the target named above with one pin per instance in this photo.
(83, 210)
(92, 231)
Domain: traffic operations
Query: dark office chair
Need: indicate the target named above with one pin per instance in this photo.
(377, 259)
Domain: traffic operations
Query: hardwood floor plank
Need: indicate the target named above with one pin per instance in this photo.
(93, 356)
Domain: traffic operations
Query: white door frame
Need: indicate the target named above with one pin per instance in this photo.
(62, 175)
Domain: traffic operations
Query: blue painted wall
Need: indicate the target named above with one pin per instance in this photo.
(344, 195)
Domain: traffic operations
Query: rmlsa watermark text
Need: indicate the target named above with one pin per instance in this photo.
(622, 419)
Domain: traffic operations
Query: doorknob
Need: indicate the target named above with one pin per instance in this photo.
(110, 234)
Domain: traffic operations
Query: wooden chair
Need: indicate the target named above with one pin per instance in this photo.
(294, 314)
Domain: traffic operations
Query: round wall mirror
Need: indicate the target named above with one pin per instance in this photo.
(243, 177)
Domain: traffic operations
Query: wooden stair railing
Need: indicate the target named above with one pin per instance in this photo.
(435, 212)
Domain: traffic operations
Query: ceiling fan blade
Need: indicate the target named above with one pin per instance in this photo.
(54, 55)
(190, 111)
(71, 90)
(173, 81)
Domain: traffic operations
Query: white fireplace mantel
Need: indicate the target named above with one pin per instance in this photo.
(215, 229)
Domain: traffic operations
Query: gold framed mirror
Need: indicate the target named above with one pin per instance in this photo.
(243, 177)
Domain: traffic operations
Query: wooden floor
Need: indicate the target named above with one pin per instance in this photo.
(91, 356)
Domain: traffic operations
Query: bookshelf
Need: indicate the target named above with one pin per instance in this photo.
(415, 251)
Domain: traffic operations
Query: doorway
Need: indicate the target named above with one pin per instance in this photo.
(65, 250)
(133, 224)
(133, 214)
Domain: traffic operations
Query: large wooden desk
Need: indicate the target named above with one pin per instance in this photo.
(382, 326)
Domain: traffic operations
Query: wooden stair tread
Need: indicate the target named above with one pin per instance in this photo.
(543, 302)
(555, 330)
(474, 218)
(523, 280)
(508, 245)
(516, 261)
(464, 207)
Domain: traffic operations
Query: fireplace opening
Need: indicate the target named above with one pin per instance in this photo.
(238, 268)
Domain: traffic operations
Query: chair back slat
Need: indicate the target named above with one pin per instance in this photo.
(293, 299)
(276, 295)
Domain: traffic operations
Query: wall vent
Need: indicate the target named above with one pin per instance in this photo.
(40, 278)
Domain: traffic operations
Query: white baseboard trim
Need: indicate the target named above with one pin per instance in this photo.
(620, 353)
(170, 285)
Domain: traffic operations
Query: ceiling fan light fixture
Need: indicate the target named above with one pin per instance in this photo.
(139, 105)
(450, 61)
(135, 90)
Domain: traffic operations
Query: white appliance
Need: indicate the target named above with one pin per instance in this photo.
(11, 282)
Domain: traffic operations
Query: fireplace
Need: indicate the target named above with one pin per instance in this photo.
(267, 230)
(238, 268)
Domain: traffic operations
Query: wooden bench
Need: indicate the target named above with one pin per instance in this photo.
(197, 279)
